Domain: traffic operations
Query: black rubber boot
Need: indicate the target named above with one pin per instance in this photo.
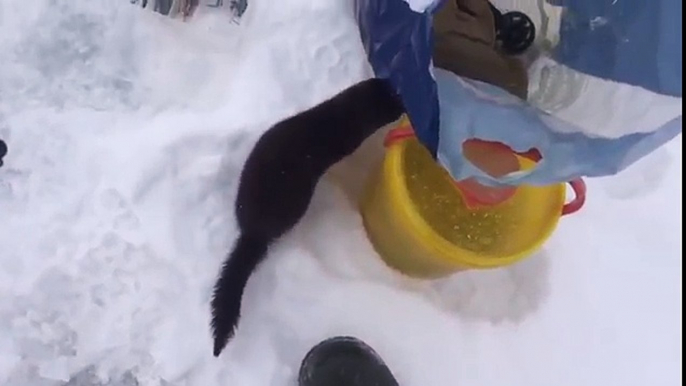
(344, 361)
(3, 150)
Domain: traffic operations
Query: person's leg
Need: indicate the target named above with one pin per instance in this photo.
(163, 6)
(344, 361)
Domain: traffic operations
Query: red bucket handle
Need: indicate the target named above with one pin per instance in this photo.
(578, 185)
(398, 134)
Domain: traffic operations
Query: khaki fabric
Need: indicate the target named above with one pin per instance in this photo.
(464, 43)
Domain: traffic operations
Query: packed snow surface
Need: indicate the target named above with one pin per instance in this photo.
(127, 131)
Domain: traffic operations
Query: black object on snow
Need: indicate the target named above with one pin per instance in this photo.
(344, 361)
(164, 7)
(237, 7)
(3, 150)
(514, 30)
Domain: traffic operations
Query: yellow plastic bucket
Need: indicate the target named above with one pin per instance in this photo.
(418, 221)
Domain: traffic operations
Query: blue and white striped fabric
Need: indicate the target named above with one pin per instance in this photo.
(608, 95)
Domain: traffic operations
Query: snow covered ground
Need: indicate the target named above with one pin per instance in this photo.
(127, 131)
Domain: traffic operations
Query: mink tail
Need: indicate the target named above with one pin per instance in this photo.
(247, 254)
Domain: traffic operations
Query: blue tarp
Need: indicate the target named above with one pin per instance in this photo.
(399, 44)
(634, 43)
(631, 41)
